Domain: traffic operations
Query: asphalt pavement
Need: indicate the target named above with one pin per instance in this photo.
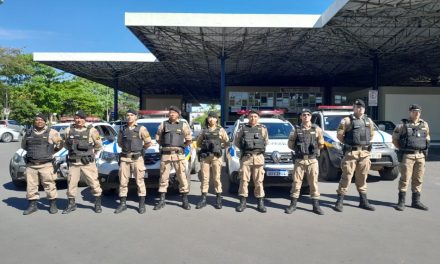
(174, 235)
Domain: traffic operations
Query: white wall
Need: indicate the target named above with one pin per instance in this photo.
(396, 108)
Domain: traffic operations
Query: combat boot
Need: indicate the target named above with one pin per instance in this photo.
(202, 202)
(161, 203)
(339, 206)
(142, 209)
(98, 208)
(218, 202)
(363, 202)
(122, 205)
(185, 202)
(32, 207)
(292, 207)
(53, 206)
(71, 206)
(401, 203)
(260, 206)
(416, 202)
(316, 208)
(242, 206)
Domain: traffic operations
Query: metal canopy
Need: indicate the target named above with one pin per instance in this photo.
(335, 48)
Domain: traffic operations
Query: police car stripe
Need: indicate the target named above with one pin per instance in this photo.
(381, 135)
(115, 148)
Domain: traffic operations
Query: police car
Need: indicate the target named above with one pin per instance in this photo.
(278, 157)
(383, 153)
(17, 164)
(108, 167)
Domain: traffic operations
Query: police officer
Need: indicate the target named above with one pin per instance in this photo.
(133, 139)
(173, 135)
(412, 139)
(40, 143)
(82, 142)
(252, 139)
(210, 142)
(306, 141)
(356, 132)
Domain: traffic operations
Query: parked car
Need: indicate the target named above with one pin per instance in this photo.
(7, 135)
(386, 126)
(108, 166)
(14, 125)
(17, 164)
(383, 153)
(278, 157)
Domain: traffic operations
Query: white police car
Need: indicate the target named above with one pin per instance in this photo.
(278, 157)
(17, 164)
(383, 153)
(108, 162)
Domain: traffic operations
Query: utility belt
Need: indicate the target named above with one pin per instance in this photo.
(348, 148)
(306, 157)
(170, 152)
(84, 160)
(37, 162)
(203, 155)
(413, 151)
(132, 155)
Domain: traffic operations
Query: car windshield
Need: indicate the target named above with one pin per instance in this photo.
(332, 122)
(151, 127)
(60, 127)
(278, 130)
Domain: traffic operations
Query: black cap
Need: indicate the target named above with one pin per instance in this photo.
(253, 112)
(306, 110)
(81, 114)
(213, 114)
(131, 111)
(174, 108)
(415, 107)
(42, 116)
(359, 102)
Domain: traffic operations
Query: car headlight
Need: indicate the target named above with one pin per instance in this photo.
(390, 145)
(17, 158)
(109, 156)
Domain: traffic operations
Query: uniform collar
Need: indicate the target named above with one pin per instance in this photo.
(177, 121)
(44, 129)
(135, 124)
(303, 126)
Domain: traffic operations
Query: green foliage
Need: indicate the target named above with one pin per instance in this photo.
(29, 87)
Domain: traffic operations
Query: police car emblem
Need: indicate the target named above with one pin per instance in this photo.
(276, 157)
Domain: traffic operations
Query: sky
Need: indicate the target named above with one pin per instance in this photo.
(98, 25)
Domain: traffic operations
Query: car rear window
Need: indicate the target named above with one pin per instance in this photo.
(278, 130)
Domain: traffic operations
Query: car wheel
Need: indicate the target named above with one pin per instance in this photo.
(19, 183)
(389, 173)
(108, 191)
(305, 190)
(196, 167)
(233, 183)
(7, 137)
(326, 170)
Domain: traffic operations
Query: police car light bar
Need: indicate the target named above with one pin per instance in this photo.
(263, 112)
(335, 107)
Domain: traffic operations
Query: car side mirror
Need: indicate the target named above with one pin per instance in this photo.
(381, 127)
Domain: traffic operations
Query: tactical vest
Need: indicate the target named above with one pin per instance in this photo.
(306, 142)
(211, 143)
(252, 141)
(131, 141)
(38, 147)
(413, 136)
(360, 133)
(78, 143)
(172, 135)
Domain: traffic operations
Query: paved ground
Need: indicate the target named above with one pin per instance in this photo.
(174, 235)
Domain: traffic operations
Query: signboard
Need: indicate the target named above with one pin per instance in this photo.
(373, 97)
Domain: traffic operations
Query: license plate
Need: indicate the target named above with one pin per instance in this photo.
(376, 156)
(277, 173)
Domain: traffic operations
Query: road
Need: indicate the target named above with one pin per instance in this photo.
(173, 235)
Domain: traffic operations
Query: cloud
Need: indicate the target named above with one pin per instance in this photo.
(16, 34)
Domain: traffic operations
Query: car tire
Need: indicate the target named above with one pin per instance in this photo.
(108, 191)
(305, 190)
(389, 173)
(7, 137)
(19, 183)
(196, 167)
(233, 188)
(326, 170)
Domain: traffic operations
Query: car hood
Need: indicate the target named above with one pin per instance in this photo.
(379, 137)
